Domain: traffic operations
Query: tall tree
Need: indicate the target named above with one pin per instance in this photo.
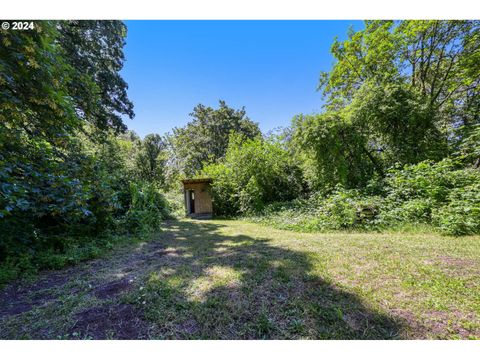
(206, 137)
(409, 89)
(439, 60)
(151, 158)
(95, 50)
(54, 80)
(37, 119)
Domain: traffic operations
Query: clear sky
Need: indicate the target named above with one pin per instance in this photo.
(270, 67)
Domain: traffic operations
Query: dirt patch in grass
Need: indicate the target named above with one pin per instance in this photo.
(189, 327)
(121, 321)
(444, 324)
(453, 261)
(456, 266)
(439, 324)
(113, 288)
(21, 296)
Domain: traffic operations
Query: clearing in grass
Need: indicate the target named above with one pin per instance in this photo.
(237, 280)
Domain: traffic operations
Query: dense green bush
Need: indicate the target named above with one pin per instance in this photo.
(332, 151)
(439, 194)
(60, 205)
(254, 172)
(415, 192)
(175, 200)
(461, 214)
(342, 209)
(148, 207)
(469, 144)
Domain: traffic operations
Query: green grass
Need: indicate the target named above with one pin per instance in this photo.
(225, 279)
(77, 250)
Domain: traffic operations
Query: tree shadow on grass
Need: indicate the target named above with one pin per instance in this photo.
(216, 286)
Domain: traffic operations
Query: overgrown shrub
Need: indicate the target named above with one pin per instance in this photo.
(148, 208)
(442, 195)
(427, 180)
(342, 209)
(56, 211)
(254, 173)
(415, 193)
(461, 214)
(175, 200)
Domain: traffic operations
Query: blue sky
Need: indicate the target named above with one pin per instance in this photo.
(270, 67)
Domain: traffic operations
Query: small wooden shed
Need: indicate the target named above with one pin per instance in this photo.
(198, 200)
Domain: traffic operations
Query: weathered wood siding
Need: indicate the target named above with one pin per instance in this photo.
(203, 200)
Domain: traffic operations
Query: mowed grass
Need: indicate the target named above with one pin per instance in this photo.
(225, 279)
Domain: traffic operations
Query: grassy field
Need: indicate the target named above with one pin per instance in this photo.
(238, 280)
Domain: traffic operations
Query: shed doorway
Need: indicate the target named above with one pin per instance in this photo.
(191, 200)
(198, 200)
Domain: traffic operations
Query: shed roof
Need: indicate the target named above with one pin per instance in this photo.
(196, 181)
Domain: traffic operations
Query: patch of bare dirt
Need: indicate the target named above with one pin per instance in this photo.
(112, 288)
(458, 266)
(406, 315)
(189, 327)
(440, 324)
(454, 261)
(100, 274)
(103, 322)
(355, 321)
(20, 297)
(444, 324)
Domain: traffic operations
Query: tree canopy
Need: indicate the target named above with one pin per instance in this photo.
(205, 138)
(61, 98)
(398, 92)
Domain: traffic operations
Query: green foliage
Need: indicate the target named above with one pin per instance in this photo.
(43, 173)
(399, 92)
(423, 180)
(367, 54)
(66, 172)
(469, 148)
(151, 158)
(148, 207)
(254, 172)
(36, 122)
(401, 98)
(438, 58)
(175, 200)
(397, 123)
(440, 194)
(95, 50)
(341, 210)
(206, 137)
(461, 214)
(333, 151)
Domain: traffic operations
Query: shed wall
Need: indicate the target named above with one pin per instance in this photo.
(203, 200)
